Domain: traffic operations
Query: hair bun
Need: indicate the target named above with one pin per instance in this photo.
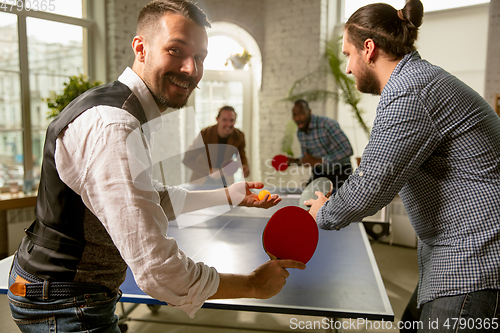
(413, 12)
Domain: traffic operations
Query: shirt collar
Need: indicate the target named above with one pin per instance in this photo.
(141, 91)
(414, 56)
(313, 123)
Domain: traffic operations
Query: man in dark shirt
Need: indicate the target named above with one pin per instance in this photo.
(324, 145)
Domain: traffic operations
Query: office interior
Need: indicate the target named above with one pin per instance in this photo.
(286, 39)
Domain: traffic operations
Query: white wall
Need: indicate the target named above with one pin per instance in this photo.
(457, 40)
(454, 39)
(295, 31)
(492, 81)
(291, 35)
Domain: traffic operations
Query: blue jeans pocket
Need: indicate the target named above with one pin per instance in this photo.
(98, 311)
(85, 313)
(37, 325)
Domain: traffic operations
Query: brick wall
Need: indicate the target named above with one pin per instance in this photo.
(293, 48)
(246, 14)
(492, 82)
(121, 18)
(290, 34)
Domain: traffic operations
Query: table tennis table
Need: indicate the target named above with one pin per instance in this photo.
(341, 280)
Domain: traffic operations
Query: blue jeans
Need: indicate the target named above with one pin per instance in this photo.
(477, 311)
(85, 313)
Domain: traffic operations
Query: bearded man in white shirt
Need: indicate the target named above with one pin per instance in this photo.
(92, 218)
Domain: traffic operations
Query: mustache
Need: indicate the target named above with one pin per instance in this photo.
(182, 77)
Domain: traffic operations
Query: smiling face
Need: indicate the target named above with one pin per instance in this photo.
(366, 79)
(225, 123)
(170, 59)
(302, 116)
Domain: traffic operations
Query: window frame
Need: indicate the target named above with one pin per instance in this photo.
(94, 56)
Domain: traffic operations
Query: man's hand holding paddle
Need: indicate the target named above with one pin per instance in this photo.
(268, 279)
(264, 282)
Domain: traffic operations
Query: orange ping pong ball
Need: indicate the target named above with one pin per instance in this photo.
(262, 194)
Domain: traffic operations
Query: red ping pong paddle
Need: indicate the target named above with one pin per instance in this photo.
(291, 233)
(280, 162)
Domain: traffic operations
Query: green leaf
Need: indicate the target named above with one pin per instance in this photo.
(287, 141)
(347, 91)
(76, 86)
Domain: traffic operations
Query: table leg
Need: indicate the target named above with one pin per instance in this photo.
(333, 327)
(123, 318)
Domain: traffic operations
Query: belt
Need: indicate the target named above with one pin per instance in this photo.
(51, 289)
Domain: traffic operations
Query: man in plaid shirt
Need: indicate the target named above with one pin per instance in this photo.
(324, 145)
(436, 142)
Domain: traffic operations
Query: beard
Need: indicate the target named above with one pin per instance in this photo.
(165, 102)
(161, 98)
(367, 81)
(305, 129)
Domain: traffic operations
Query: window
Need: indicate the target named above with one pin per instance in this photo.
(39, 50)
(220, 49)
(213, 94)
(224, 84)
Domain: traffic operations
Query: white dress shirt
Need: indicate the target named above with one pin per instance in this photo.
(92, 159)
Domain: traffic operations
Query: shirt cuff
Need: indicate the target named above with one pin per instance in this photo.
(197, 296)
(322, 218)
(177, 196)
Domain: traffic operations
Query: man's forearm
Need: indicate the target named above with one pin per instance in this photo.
(196, 200)
(234, 286)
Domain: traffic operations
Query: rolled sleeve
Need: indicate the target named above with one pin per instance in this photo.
(402, 138)
(131, 210)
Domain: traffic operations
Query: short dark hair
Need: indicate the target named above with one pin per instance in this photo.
(303, 102)
(393, 31)
(227, 108)
(151, 13)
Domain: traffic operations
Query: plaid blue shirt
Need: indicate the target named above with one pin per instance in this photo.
(436, 142)
(324, 139)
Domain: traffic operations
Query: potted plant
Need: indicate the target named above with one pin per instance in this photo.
(239, 60)
(76, 86)
(287, 141)
(347, 91)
